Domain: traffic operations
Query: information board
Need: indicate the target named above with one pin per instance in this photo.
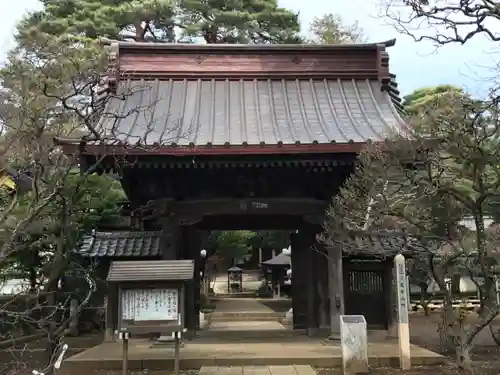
(149, 304)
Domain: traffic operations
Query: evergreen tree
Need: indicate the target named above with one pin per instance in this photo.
(331, 29)
(239, 21)
(214, 21)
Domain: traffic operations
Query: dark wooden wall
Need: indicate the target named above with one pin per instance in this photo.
(367, 290)
(367, 287)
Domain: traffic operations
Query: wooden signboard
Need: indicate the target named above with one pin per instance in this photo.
(150, 304)
(146, 310)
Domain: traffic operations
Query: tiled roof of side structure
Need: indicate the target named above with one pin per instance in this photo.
(151, 270)
(380, 243)
(210, 112)
(147, 244)
(121, 244)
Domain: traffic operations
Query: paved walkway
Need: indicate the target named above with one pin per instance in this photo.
(258, 370)
(244, 314)
(241, 305)
(239, 325)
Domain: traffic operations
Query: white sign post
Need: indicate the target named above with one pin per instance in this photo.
(354, 344)
(403, 303)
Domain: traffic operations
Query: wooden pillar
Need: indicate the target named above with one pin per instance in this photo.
(299, 270)
(336, 289)
(305, 279)
(111, 319)
(171, 238)
(108, 332)
(322, 291)
(191, 247)
(312, 295)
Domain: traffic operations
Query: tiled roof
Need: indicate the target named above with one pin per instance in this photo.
(279, 260)
(121, 244)
(381, 243)
(250, 112)
(151, 270)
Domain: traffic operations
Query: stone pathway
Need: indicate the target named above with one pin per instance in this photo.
(243, 319)
(258, 370)
(245, 326)
(241, 305)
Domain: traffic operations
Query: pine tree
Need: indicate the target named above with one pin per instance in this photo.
(214, 21)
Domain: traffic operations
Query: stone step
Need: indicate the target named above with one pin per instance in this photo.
(235, 295)
(258, 370)
(251, 318)
(244, 315)
(251, 335)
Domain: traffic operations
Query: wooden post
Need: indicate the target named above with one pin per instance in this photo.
(260, 256)
(125, 353)
(177, 353)
(111, 313)
(402, 303)
(336, 290)
(321, 270)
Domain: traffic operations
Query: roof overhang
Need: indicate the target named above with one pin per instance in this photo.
(151, 270)
(257, 100)
(74, 147)
(242, 48)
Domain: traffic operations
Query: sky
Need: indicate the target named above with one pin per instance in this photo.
(415, 64)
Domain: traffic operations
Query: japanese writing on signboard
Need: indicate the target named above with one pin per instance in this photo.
(402, 293)
(149, 304)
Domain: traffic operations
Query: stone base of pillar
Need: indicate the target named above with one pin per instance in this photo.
(203, 322)
(332, 339)
(318, 332)
(288, 319)
(109, 335)
(392, 331)
(167, 341)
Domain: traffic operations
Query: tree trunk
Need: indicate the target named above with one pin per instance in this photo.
(33, 279)
(140, 32)
(210, 35)
(463, 359)
(446, 327)
(424, 301)
(494, 335)
(425, 306)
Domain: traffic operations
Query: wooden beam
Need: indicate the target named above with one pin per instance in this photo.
(262, 206)
(194, 210)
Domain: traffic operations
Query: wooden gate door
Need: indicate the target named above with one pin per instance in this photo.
(364, 295)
